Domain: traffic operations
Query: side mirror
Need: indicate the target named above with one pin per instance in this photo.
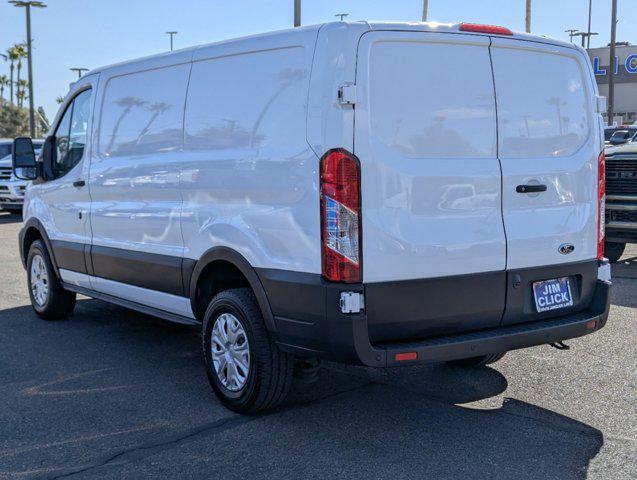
(23, 158)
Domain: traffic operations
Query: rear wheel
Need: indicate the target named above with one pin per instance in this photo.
(246, 369)
(477, 361)
(49, 300)
(613, 251)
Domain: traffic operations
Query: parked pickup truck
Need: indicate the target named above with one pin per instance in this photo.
(621, 199)
(12, 188)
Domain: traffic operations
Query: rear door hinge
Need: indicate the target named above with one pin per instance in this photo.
(601, 104)
(347, 95)
(352, 302)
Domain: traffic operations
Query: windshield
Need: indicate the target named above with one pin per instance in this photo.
(5, 149)
(620, 135)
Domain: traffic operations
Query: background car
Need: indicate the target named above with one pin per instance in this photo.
(621, 137)
(627, 131)
(12, 188)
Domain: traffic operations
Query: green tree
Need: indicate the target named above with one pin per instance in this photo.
(4, 82)
(14, 121)
(12, 55)
(21, 94)
(21, 52)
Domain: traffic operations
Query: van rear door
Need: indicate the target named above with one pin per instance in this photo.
(548, 144)
(425, 134)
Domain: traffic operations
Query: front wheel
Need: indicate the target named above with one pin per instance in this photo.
(49, 300)
(477, 361)
(246, 369)
(613, 251)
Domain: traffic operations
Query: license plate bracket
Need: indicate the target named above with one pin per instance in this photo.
(552, 294)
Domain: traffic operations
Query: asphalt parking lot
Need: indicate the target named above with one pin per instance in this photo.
(112, 393)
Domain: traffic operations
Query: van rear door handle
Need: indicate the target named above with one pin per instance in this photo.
(530, 188)
(79, 183)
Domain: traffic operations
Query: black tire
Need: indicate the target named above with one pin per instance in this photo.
(270, 374)
(59, 303)
(613, 251)
(477, 361)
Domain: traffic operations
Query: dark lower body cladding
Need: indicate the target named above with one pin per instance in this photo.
(431, 319)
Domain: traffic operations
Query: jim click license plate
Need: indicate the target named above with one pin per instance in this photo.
(552, 294)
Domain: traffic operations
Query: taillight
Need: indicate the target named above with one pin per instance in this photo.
(479, 28)
(341, 216)
(601, 204)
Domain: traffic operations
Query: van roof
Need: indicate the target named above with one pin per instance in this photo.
(360, 26)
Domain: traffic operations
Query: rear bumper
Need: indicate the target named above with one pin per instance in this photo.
(323, 331)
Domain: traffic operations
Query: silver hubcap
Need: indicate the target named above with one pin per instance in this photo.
(39, 280)
(230, 352)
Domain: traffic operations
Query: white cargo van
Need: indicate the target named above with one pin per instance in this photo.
(381, 194)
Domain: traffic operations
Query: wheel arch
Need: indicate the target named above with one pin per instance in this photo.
(226, 256)
(31, 231)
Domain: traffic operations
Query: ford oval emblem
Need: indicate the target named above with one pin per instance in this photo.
(566, 248)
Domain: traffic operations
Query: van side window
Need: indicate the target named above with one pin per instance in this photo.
(273, 101)
(70, 135)
(142, 112)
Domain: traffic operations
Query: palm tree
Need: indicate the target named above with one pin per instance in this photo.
(12, 55)
(21, 86)
(21, 52)
(4, 81)
(156, 110)
(127, 104)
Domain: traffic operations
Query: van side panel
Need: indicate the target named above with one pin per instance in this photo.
(135, 167)
(425, 135)
(249, 178)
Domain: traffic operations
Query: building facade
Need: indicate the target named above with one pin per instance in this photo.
(625, 78)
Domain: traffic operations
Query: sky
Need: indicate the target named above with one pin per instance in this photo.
(93, 33)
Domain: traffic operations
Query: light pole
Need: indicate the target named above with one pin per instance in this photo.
(342, 15)
(79, 71)
(528, 16)
(611, 70)
(172, 34)
(587, 36)
(588, 39)
(27, 5)
(424, 10)
(580, 34)
(297, 13)
(571, 33)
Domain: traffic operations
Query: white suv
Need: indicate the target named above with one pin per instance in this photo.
(380, 194)
(12, 188)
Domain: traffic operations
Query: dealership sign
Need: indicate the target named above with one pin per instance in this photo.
(625, 72)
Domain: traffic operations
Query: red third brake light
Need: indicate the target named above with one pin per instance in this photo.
(478, 28)
(601, 204)
(340, 216)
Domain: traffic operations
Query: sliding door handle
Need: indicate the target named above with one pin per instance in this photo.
(530, 188)
(79, 183)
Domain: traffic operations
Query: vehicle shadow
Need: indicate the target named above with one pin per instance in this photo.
(110, 366)
(626, 267)
(624, 274)
(9, 217)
